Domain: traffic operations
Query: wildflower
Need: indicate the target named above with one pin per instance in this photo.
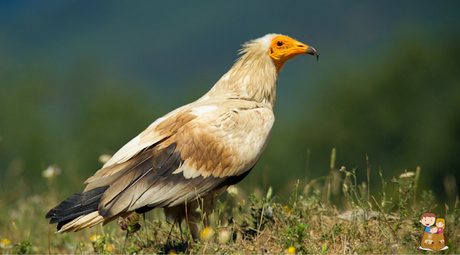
(224, 236)
(269, 211)
(130, 223)
(288, 209)
(207, 234)
(104, 158)
(406, 175)
(342, 169)
(51, 171)
(110, 247)
(240, 205)
(250, 247)
(94, 238)
(4, 243)
(232, 190)
(291, 250)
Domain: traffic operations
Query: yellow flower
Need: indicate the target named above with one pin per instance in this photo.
(288, 209)
(110, 247)
(291, 250)
(250, 247)
(206, 234)
(94, 238)
(4, 243)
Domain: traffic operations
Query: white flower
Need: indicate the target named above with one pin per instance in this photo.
(51, 172)
(232, 190)
(406, 175)
(224, 236)
(104, 158)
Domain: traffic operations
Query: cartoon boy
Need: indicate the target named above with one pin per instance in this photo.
(428, 220)
(441, 224)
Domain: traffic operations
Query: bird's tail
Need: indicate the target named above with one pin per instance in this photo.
(78, 211)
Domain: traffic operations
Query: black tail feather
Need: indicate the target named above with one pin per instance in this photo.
(75, 206)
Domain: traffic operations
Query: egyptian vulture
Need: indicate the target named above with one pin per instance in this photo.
(195, 151)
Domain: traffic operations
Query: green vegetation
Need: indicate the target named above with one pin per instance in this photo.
(306, 222)
(397, 109)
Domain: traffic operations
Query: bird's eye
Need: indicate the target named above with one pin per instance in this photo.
(280, 43)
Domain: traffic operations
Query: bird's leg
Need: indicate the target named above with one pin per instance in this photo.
(145, 224)
(180, 229)
(206, 220)
(192, 218)
(193, 226)
(172, 227)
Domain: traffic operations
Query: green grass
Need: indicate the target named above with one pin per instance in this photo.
(331, 214)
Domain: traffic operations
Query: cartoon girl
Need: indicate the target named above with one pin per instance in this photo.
(441, 224)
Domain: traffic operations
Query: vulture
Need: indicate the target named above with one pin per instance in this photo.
(187, 158)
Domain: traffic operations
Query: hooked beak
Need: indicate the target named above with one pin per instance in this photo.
(312, 51)
(305, 49)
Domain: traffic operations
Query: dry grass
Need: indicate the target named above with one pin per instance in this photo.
(307, 222)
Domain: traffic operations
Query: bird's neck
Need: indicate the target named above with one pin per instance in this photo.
(253, 77)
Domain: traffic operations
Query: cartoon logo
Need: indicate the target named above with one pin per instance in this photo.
(434, 237)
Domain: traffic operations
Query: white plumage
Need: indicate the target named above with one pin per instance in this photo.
(197, 150)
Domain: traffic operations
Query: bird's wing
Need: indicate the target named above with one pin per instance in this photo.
(144, 140)
(197, 149)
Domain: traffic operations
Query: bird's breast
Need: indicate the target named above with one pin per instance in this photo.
(226, 142)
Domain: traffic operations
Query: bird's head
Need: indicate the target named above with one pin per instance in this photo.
(282, 48)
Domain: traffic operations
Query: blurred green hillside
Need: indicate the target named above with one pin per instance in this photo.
(401, 108)
(79, 80)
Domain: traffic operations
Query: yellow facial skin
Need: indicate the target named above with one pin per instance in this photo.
(283, 48)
